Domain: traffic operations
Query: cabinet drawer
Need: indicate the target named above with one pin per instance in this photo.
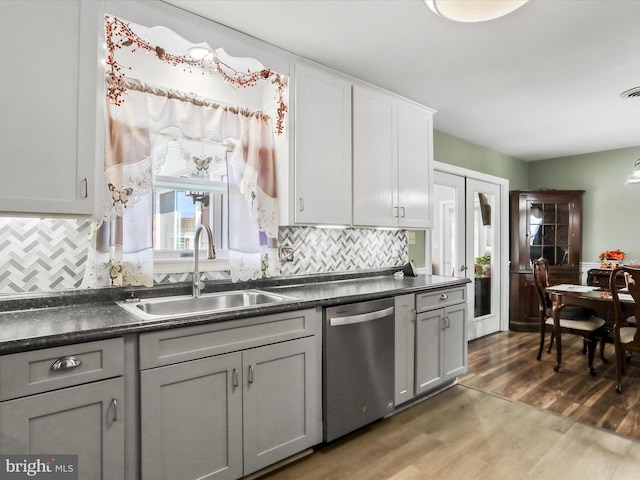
(440, 298)
(166, 347)
(37, 371)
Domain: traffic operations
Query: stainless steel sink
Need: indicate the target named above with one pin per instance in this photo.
(184, 306)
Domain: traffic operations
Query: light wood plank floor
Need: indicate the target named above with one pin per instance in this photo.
(497, 425)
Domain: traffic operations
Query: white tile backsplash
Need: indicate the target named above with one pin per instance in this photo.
(44, 255)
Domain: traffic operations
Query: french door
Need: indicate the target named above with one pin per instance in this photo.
(466, 241)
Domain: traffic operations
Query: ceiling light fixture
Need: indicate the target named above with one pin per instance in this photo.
(200, 53)
(473, 10)
(634, 176)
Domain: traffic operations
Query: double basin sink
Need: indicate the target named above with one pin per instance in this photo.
(184, 306)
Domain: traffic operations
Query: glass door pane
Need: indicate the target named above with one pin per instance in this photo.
(448, 233)
(548, 232)
(483, 224)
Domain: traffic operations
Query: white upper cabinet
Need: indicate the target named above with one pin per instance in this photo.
(51, 137)
(322, 151)
(375, 158)
(415, 153)
(392, 154)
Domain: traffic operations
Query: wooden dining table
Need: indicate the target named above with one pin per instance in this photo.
(595, 298)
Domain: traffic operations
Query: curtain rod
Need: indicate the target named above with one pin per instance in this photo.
(138, 85)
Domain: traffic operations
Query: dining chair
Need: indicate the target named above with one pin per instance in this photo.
(574, 320)
(625, 332)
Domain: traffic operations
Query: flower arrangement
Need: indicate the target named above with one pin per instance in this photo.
(611, 258)
(616, 255)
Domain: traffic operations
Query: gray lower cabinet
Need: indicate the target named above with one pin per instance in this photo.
(278, 419)
(228, 415)
(440, 346)
(431, 345)
(405, 338)
(191, 419)
(85, 419)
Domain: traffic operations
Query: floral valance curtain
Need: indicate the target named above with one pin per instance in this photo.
(139, 131)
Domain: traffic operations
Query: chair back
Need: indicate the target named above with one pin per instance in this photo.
(541, 279)
(632, 281)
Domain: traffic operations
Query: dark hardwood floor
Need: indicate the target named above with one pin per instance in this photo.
(505, 364)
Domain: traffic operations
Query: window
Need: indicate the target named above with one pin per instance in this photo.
(189, 189)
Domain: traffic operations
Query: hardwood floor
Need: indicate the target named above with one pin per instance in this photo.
(505, 364)
(511, 417)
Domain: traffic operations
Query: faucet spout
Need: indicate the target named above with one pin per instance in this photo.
(211, 254)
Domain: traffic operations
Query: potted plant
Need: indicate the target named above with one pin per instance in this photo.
(483, 266)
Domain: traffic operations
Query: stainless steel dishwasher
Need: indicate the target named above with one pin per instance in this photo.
(358, 365)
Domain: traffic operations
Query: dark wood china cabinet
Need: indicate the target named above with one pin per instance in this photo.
(543, 223)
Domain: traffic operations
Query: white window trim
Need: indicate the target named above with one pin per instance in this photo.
(185, 265)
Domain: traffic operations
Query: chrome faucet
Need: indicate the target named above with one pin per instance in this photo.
(211, 254)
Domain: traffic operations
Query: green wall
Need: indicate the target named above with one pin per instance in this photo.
(464, 154)
(611, 209)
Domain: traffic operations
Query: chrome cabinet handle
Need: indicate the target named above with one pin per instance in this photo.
(115, 409)
(250, 373)
(302, 204)
(463, 268)
(84, 191)
(402, 213)
(444, 296)
(236, 383)
(396, 213)
(65, 363)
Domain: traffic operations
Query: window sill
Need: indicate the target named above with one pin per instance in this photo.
(184, 265)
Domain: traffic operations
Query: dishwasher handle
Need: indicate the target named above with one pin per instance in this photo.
(360, 318)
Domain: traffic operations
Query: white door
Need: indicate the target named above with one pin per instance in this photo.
(484, 253)
(466, 242)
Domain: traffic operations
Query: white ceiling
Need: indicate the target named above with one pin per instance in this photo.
(542, 82)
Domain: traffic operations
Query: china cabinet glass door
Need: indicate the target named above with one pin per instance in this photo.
(548, 232)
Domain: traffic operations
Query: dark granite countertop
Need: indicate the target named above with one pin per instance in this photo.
(30, 324)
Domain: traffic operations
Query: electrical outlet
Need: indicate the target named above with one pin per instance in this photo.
(286, 254)
(411, 238)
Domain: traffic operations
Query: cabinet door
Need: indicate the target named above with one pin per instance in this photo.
(454, 341)
(429, 326)
(375, 158)
(405, 332)
(546, 223)
(280, 402)
(414, 165)
(51, 151)
(322, 147)
(86, 420)
(191, 419)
